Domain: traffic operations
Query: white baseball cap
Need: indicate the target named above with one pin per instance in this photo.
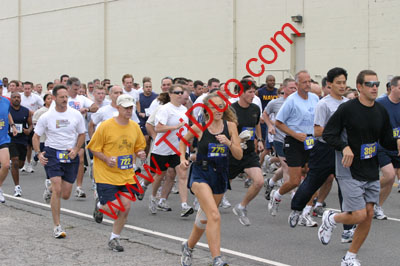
(125, 100)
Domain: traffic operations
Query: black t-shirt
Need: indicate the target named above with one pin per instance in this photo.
(247, 118)
(356, 125)
(20, 118)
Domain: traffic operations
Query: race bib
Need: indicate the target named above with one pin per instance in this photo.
(2, 123)
(217, 150)
(62, 157)
(309, 143)
(396, 131)
(368, 151)
(19, 128)
(252, 131)
(125, 162)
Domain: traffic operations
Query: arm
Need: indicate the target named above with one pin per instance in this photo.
(260, 141)
(93, 108)
(74, 151)
(285, 129)
(110, 161)
(160, 128)
(182, 146)
(318, 130)
(28, 130)
(91, 128)
(234, 146)
(36, 147)
(151, 131)
(271, 126)
(12, 125)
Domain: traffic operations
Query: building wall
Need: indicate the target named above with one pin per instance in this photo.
(43, 39)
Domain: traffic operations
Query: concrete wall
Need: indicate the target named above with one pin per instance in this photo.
(43, 39)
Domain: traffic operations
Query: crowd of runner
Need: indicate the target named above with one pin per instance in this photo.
(296, 139)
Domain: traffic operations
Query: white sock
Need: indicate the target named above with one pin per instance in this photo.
(98, 205)
(332, 219)
(162, 200)
(306, 210)
(241, 207)
(114, 236)
(350, 255)
(277, 196)
(318, 204)
(271, 182)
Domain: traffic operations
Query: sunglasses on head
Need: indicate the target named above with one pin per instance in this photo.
(372, 83)
(178, 92)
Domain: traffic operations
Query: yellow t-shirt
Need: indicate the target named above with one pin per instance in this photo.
(120, 141)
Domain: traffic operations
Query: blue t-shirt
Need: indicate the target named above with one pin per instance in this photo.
(298, 113)
(394, 114)
(145, 102)
(4, 111)
(20, 118)
(193, 97)
(266, 95)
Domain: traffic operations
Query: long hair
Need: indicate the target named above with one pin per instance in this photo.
(229, 114)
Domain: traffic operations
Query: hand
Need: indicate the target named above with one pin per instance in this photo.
(43, 160)
(26, 131)
(111, 161)
(141, 155)
(223, 140)
(300, 136)
(260, 146)
(398, 146)
(72, 153)
(178, 126)
(184, 164)
(143, 115)
(15, 131)
(84, 110)
(271, 130)
(347, 157)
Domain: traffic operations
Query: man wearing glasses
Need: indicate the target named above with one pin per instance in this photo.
(354, 130)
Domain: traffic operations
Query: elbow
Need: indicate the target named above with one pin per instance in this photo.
(238, 155)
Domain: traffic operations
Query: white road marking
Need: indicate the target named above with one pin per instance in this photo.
(147, 231)
(391, 219)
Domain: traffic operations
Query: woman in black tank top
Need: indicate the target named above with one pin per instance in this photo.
(209, 173)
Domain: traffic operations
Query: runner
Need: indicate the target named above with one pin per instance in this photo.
(209, 176)
(357, 167)
(389, 162)
(167, 119)
(296, 120)
(65, 131)
(114, 145)
(17, 148)
(248, 115)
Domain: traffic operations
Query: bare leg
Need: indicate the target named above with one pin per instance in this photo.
(256, 175)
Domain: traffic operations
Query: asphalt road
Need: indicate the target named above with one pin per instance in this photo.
(268, 237)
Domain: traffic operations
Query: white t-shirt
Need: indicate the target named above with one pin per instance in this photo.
(79, 102)
(61, 129)
(33, 102)
(153, 107)
(197, 110)
(169, 115)
(107, 112)
(134, 93)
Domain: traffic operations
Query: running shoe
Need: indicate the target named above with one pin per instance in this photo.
(350, 262)
(153, 205)
(47, 193)
(326, 228)
(225, 203)
(196, 204)
(23, 169)
(378, 213)
(59, 232)
(318, 211)
(218, 261)
(306, 220)
(268, 189)
(174, 189)
(115, 245)
(2, 199)
(247, 183)
(347, 235)
(398, 187)
(17, 191)
(29, 168)
(79, 193)
(242, 214)
(186, 211)
(186, 258)
(294, 218)
(141, 196)
(163, 206)
(97, 214)
(273, 204)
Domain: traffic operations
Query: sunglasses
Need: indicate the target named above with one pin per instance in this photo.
(178, 92)
(372, 83)
(281, 93)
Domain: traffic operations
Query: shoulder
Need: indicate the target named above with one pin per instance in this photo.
(313, 96)
(73, 112)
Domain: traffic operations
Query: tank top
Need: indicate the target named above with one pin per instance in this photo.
(20, 118)
(207, 138)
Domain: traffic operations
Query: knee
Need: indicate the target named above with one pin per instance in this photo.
(258, 182)
(65, 196)
(56, 189)
(5, 165)
(215, 217)
(360, 216)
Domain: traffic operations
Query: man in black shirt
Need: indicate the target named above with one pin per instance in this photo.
(354, 131)
(248, 115)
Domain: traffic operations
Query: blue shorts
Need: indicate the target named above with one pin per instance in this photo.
(279, 148)
(67, 171)
(218, 183)
(386, 157)
(108, 192)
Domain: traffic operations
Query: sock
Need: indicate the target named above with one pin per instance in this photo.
(332, 219)
(114, 236)
(184, 205)
(350, 255)
(162, 200)
(98, 205)
(241, 207)
(271, 182)
(306, 210)
(277, 196)
(318, 204)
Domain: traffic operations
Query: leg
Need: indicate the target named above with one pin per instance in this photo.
(325, 189)
(81, 169)
(5, 164)
(183, 178)
(168, 183)
(28, 153)
(66, 189)
(157, 183)
(55, 199)
(15, 166)
(256, 175)
(386, 181)
(294, 180)
(362, 229)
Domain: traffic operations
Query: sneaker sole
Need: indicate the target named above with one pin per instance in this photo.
(346, 241)
(188, 212)
(319, 230)
(62, 235)
(163, 209)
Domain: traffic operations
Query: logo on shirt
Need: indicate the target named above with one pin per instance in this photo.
(269, 97)
(125, 145)
(75, 105)
(2, 124)
(62, 123)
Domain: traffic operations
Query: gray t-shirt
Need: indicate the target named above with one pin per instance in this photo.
(273, 107)
(325, 109)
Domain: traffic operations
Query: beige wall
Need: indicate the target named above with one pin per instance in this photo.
(43, 39)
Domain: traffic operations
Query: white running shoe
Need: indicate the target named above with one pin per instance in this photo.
(196, 204)
(225, 203)
(378, 213)
(79, 193)
(47, 193)
(326, 228)
(17, 191)
(273, 204)
(153, 205)
(306, 220)
(350, 262)
(29, 168)
(59, 232)
(2, 199)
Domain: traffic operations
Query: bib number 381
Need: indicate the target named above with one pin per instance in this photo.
(368, 151)
(125, 162)
(217, 150)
